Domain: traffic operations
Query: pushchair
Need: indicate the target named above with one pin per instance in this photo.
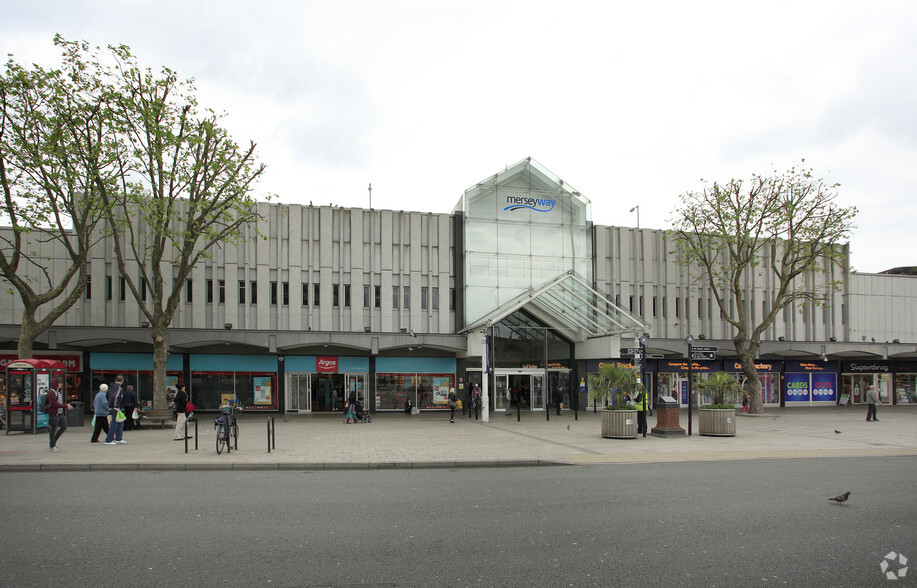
(362, 415)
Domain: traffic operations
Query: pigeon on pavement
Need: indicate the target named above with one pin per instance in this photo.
(842, 498)
(836, 432)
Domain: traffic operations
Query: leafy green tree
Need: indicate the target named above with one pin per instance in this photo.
(56, 148)
(614, 381)
(184, 187)
(721, 386)
(786, 227)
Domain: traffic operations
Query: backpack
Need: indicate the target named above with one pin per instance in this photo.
(43, 404)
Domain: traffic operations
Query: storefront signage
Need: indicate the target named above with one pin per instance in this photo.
(682, 366)
(824, 387)
(797, 387)
(764, 366)
(73, 363)
(870, 367)
(326, 364)
(536, 204)
(262, 389)
(812, 366)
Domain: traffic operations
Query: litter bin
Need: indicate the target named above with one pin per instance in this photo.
(76, 414)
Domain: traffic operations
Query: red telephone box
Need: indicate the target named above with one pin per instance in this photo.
(27, 383)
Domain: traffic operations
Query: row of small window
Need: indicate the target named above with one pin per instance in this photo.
(372, 296)
(700, 309)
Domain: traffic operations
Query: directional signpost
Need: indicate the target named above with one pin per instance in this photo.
(708, 352)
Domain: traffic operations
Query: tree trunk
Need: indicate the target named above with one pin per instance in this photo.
(753, 382)
(27, 335)
(160, 357)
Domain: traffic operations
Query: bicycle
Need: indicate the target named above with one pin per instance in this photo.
(227, 428)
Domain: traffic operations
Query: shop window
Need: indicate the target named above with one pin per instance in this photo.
(253, 390)
(425, 391)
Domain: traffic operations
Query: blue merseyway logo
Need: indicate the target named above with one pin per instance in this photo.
(536, 204)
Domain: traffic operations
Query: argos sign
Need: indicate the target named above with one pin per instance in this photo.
(326, 364)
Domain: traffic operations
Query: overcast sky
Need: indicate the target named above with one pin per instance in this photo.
(630, 103)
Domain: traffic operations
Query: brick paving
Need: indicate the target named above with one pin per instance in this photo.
(395, 440)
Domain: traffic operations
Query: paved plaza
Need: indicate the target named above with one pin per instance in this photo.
(396, 440)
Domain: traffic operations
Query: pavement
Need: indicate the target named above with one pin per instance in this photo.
(429, 440)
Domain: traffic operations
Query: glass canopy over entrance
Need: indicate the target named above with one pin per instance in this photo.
(569, 305)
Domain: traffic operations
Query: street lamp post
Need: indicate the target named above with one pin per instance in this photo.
(644, 338)
(637, 208)
(689, 340)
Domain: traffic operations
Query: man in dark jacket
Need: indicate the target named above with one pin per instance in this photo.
(115, 402)
(57, 420)
(128, 404)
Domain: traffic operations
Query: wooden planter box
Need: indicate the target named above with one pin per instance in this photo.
(619, 424)
(718, 422)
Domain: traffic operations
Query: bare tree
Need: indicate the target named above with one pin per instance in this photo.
(786, 225)
(56, 147)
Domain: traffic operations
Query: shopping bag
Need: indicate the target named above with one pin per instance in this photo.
(120, 416)
(136, 415)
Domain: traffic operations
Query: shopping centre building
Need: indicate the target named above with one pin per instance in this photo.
(516, 286)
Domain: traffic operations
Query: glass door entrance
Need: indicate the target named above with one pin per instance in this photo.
(298, 387)
(519, 388)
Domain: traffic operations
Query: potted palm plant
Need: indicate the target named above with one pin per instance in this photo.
(719, 417)
(619, 420)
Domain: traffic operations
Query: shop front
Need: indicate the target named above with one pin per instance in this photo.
(72, 361)
(895, 381)
(322, 383)
(768, 374)
(425, 382)
(248, 380)
(810, 383)
(672, 377)
(137, 370)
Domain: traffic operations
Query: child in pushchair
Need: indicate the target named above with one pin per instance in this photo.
(362, 416)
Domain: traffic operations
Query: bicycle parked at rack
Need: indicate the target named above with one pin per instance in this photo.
(227, 428)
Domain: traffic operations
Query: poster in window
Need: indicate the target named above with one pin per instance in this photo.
(262, 389)
(441, 390)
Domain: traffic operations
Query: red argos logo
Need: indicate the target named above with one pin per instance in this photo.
(326, 364)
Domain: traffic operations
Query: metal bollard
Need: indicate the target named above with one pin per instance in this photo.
(271, 434)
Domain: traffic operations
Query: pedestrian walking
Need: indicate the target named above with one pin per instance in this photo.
(57, 418)
(351, 407)
(745, 402)
(115, 399)
(128, 405)
(100, 412)
(872, 399)
(452, 403)
(181, 413)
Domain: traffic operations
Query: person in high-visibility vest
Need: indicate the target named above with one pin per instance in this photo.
(640, 405)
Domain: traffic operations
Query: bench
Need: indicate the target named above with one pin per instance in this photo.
(156, 414)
